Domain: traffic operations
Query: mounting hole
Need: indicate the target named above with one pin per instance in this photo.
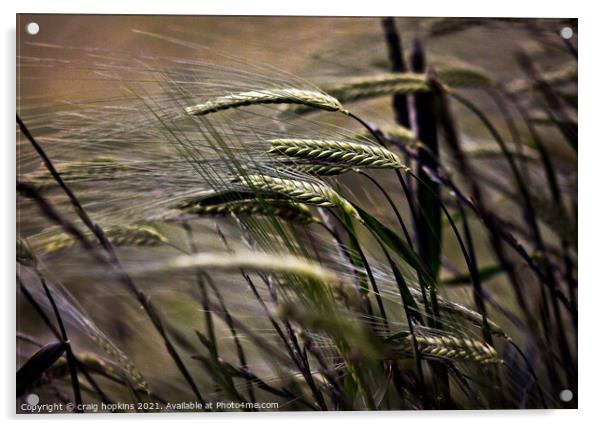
(32, 28)
(566, 33)
(566, 395)
(33, 399)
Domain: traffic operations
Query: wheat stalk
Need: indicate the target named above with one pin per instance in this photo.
(341, 153)
(449, 347)
(314, 99)
(310, 192)
(119, 236)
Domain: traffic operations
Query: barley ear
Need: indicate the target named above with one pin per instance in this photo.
(119, 236)
(337, 153)
(309, 98)
(310, 192)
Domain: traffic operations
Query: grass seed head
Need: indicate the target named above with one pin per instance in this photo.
(320, 170)
(287, 210)
(95, 169)
(464, 76)
(449, 347)
(311, 192)
(379, 85)
(313, 99)
(119, 236)
(455, 309)
(337, 153)
(253, 261)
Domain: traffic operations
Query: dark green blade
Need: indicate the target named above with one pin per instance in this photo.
(39, 362)
(393, 241)
(485, 273)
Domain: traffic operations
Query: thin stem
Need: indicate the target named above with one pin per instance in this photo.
(391, 204)
(375, 290)
(204, 295)
(65, 339)
(112, 261)
(492, 223)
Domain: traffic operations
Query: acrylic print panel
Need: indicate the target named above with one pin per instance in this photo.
(295, 213)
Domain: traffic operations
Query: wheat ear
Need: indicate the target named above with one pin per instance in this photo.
(287, 210)
(464, 76)
(95, 364)
(122, 360)
(320, 170)
(119, 236)
(379, 85)
(310, 192)
(92, 362)
(469, 315)
(340, 153)
(454, 309)
(450, 347)
(314, 99)
(97, 168)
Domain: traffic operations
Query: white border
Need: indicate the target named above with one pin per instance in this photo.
(590, 163)
(507, 8)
